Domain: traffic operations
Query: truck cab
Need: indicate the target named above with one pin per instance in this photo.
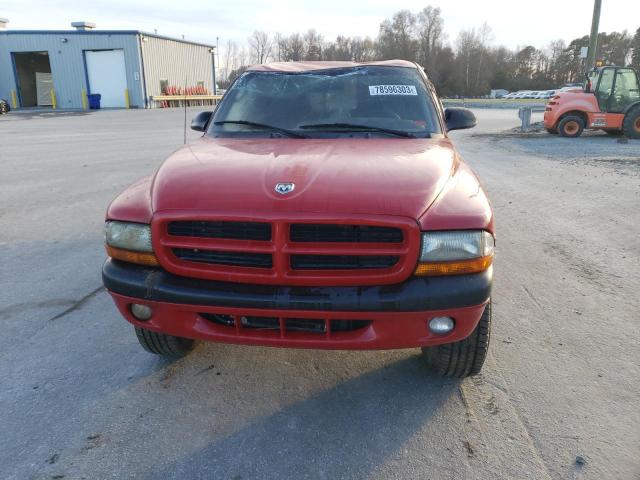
(325, 206)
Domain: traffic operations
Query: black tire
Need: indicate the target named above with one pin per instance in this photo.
(571, 126)
(466, 357)
(631, 123)
(165, 345)
(552, 131)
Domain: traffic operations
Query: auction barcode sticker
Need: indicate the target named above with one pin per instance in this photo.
(392, 90)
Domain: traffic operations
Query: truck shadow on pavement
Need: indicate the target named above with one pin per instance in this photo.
(346, 431)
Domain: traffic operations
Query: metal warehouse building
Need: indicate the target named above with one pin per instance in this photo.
(58, 68)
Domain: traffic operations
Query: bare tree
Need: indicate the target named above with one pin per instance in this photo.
(242, 58)
(430, 34)
(339, 50)
(292, 48)
(261, 46)
(397, 37)
(229, 58)
(363, 49)
(313, 45)
(485, 36)
(472, 66)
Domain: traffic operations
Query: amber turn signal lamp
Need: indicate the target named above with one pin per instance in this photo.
(457, 267)
(141, 258)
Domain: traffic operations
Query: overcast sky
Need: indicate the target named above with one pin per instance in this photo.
(514, 23)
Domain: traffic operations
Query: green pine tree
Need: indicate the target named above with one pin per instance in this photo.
(635, 57)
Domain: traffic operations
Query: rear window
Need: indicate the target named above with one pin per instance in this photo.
(377, 96)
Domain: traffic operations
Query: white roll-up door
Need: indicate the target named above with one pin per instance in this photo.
(107, 76)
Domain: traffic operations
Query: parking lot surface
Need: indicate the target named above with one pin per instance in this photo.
(558, 397)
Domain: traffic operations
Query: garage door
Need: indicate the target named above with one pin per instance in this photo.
(107, 76)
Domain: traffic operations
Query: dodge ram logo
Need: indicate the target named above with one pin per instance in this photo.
(284, 188)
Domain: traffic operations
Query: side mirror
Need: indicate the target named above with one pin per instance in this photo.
(458, 118)
(200, 122)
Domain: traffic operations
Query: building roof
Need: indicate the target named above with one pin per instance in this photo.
(100, 32)
(310, 66)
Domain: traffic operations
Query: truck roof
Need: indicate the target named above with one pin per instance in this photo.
(311, 66)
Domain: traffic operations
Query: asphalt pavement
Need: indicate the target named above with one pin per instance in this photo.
(558, 398)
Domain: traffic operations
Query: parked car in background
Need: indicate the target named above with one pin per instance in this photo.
(572, 88)
(4, 107)
(498, 93)
(544, 94)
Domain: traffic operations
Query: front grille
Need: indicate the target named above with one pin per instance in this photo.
(223, 229)
(341, 262)
(285, 251)
(237, 259)
(306, 325)
(308, 232)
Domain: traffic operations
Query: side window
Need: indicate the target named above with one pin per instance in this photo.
(164, 84)
(604, 88)
(626, 90)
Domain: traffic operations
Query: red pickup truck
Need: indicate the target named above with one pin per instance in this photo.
(324, 207)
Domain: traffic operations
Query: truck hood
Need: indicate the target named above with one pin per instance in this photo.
(341, 176)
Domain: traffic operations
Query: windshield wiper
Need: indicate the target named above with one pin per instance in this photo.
(351, 126)
(284, 131)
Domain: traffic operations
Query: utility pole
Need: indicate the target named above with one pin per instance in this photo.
(212, 51)
(593, 39)
(218, 55)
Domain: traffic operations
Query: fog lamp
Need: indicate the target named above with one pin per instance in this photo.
(441, 325)
(141, 312)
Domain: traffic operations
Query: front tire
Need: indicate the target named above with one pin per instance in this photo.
(165, 345)
(631, 123)
(571, 126)
(466, 357)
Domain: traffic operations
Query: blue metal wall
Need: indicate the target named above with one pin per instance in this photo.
(67, 61)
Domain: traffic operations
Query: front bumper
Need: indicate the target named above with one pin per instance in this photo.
(397, 315)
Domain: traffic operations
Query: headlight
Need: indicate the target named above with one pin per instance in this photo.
(129, 242)
(455, 252)
(130, 236)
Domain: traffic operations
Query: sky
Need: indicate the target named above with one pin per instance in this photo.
(514, 23)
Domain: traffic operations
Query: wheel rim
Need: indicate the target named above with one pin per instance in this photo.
(571, 128)
(636, 125)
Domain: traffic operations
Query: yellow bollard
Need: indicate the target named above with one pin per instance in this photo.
(84, 99)
(126, 98)
(54, 101)
(14, 99)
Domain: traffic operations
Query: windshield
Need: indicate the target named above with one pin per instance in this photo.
(368, 100)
